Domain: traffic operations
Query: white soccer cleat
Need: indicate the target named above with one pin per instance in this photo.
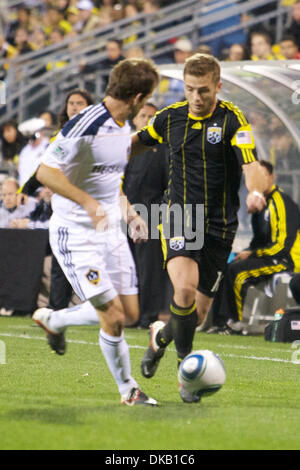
(135, 396)
(42, 317)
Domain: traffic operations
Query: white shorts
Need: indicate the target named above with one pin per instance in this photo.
(94, 262)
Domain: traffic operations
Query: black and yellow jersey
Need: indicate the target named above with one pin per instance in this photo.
(280, 220)
(206, 155)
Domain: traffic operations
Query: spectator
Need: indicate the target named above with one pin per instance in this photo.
(39, 217)
(261, 47)
(238, 52)
(114, 54)
(76, 101)
(134, 52)
(73, 18)
(204, 49)
(56, 37)
(7, 51)
(172, 89)
(22, 21)
(289, 48)
(12, 142)
(38, 39)
(273, 249)
(294, 28)
(31, 154)
(54, 18)
(21, 41)
(145, 180)
(87, 17)
(9, 209)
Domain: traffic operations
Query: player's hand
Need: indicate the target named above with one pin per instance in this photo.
(256, 202)
(242, 255)
(21, 199)
(138, 229)
(97, 214)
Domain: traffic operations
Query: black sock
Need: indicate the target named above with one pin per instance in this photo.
(181, 327)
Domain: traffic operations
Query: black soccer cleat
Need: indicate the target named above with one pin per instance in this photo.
(154, 353)
(188, 397)
(57, 343)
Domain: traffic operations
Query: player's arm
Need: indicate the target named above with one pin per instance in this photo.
(55, 179)
(243, 144)
(137, 227)
(137, 146)
(256, 185)
(150, 135)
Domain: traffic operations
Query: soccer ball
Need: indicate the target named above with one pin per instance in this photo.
(202, 373)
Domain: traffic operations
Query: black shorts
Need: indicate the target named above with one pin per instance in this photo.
(211, 259)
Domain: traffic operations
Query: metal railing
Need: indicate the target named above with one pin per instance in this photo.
(28, 84)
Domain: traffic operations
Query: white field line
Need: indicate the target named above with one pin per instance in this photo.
(255, 358)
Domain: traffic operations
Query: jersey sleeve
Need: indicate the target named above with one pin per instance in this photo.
(241, 137)
(61, 152)
(155, 132)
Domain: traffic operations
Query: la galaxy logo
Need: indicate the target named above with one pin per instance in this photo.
(214, 135)
(93, 276)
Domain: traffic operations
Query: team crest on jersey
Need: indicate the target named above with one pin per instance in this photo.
(93, 276)
(177, 243)
(214, 135)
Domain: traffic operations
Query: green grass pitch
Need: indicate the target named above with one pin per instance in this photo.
(71, 402)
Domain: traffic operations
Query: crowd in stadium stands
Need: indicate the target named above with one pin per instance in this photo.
(34, 25)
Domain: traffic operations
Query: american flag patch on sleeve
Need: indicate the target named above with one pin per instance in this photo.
(243, 137)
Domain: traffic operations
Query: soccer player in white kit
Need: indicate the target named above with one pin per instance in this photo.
(83, 167)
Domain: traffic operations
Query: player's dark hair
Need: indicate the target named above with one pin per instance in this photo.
(202, 64)
(63, 117)
(131, 77)
(268, 166)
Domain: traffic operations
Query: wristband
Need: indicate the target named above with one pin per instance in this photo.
(257, 193)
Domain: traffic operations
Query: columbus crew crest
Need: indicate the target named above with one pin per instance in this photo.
(214, 135)
(93, 276)
(177, 243)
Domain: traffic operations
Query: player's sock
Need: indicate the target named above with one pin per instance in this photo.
(183, 321)
(116, 352)
(82, 314)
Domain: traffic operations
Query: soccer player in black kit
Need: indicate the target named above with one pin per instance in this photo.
(210, 143)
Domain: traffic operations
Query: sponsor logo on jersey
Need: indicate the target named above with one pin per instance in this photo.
(106, 169)
(214, 135)
(93, 276)
(177, 243)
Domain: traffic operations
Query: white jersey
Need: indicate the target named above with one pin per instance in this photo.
(92, 151)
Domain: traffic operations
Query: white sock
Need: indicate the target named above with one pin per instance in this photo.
(82, 314)
(116, 353)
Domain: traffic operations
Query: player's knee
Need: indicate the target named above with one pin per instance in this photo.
(132, 317)
(185, 294)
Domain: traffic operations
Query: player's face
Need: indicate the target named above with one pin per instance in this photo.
(143, 117)
(76, 103)
(201, 93)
